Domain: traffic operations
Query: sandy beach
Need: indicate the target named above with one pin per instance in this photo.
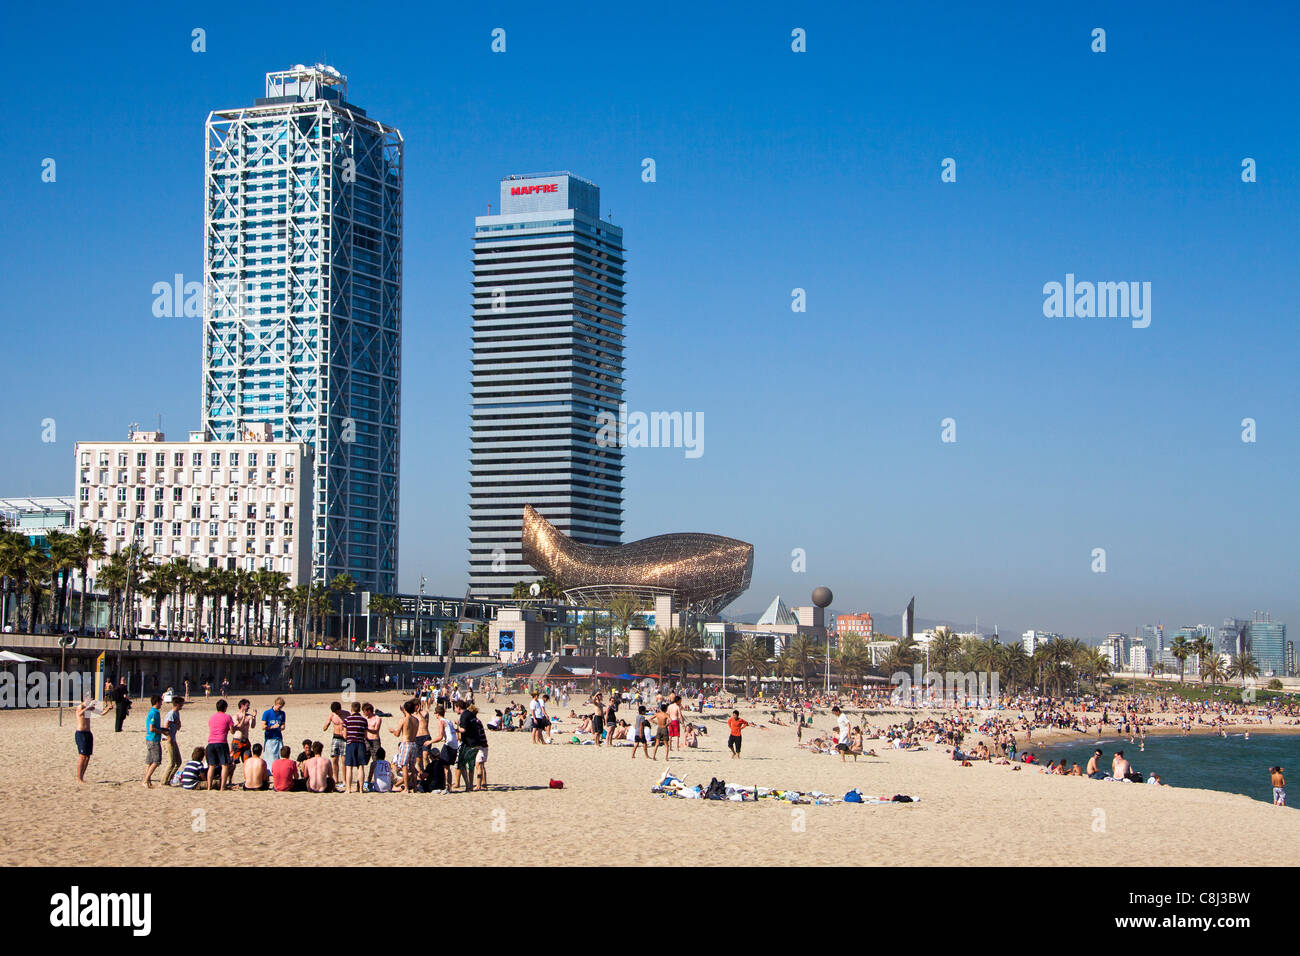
(606, 814)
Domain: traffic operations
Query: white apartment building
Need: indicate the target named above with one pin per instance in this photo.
(219, 504)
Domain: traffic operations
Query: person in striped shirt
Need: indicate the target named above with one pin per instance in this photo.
(355, 756)
(194, 775)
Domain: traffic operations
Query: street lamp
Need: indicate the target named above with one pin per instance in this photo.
(419, 602)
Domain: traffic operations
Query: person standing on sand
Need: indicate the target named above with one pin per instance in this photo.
(273, 729)
(339, 740)
(85, 739)
(675, 721)
(1279, 786)
(407, 752)
(121, 705)
(661, 733)
(735, 724)
(355, 757)
(218, 751)
(638, 732)
(597, 717)
(152, 740)
(172, 726)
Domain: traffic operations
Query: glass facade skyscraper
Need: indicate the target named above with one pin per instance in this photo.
(303, 303)
(1266, 642)
(547, 361)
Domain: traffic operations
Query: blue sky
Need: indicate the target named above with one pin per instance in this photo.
(775, 170)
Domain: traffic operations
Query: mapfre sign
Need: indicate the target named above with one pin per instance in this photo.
(531, 190)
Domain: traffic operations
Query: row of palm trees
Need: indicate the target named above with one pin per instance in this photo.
(229, 604)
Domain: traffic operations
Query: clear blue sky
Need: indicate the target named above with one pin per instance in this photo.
(776, 170)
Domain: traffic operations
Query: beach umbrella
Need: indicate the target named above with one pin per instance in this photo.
(13, 657)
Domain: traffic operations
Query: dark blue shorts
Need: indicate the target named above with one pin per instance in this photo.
(357, 755)
(219, 755)
(85, 743)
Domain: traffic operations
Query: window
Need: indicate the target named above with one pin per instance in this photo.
(215, 459)
(196, 529)
(196, 460)
(158, 493)
(288, 529)
(213, 529)
(140, 459)
(139, 494)
(270, 459)
(250, 529)
(178, 460)
(269, 530)
(158, 511)
(159, 459)
(252, 459)
(176, 529)
(234, 459)
(178, 494)
(121, 459)
(83, 493)
(157, 529)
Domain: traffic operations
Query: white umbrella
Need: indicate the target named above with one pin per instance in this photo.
(13, 657)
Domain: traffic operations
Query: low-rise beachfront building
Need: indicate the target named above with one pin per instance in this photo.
(228, 505)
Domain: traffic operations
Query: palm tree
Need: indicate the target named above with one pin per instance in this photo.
(945, 650)
(1180, 650)
(1204, 650)
(342, 584)
(986, 656)
(1243, 666)
(748, 659)
(89, 545)
(855, 659)
(624, 611)
(802, 650)
(63, 559)
(1016, 664)
(1214, 670)
(36, 568)
(665, 651)
(295, 603)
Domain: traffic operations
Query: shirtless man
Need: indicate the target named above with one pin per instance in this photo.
(660, 721)
(597, 716)
(407, 750)
(245, 721)
(339, 742)
(319, 771)
(1093, 770)
(422, 736)
(675, 722)
(85, 739)
(255, 777)
(1279, 786)
(1119, 767)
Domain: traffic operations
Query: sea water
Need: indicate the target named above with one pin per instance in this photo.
(1233, 765)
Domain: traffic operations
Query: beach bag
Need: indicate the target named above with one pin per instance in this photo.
(716, 790)
(853, 797)
(557, 784)
(901, 798)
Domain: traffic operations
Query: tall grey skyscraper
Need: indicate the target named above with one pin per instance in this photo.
(548, 360)
(302, 321)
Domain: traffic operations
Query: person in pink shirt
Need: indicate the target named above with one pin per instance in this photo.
(218, 751)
